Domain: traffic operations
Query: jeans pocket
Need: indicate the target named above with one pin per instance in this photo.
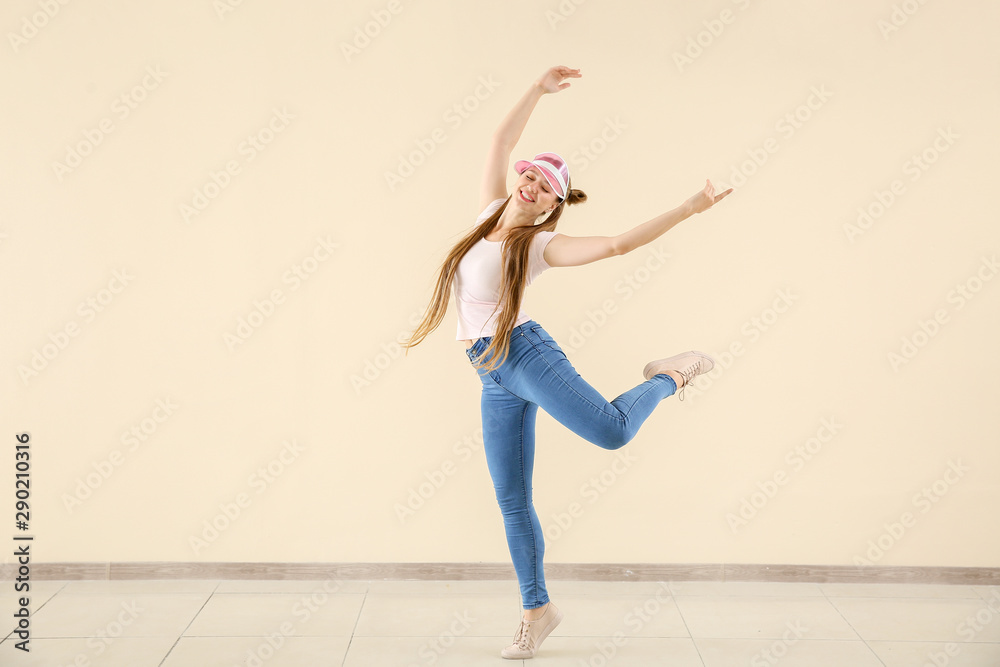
(474, 353)
(474, 357)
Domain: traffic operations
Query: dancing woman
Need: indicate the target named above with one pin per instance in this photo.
(519, 363)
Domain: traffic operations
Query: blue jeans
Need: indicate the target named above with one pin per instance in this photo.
(537, 373)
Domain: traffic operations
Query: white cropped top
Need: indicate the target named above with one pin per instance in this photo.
(477, 281)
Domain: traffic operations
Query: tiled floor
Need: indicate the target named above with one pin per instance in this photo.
(200, 623)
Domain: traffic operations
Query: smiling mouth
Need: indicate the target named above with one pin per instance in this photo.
(524, 197)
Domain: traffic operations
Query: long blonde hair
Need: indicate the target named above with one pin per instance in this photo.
(514, 258)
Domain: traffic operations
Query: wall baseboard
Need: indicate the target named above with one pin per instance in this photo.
(865, 574)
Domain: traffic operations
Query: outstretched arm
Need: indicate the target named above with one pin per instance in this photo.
(565, 250)
(653, 229)
(506, 136)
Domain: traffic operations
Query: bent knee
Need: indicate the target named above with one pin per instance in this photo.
(614, 438)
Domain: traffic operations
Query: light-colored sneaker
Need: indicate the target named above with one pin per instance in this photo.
(530, 634)
(688, 364)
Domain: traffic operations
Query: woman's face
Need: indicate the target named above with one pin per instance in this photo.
(531, 185)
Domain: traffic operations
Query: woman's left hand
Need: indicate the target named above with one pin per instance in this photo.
(705, 199)
(551, 81)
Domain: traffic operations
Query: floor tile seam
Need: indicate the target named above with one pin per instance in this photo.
(354, 630)
(31, 614)
(193, 617)
(851, 626)
(687, 629)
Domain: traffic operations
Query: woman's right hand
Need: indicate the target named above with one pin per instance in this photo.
(705, 199)
(551, 80)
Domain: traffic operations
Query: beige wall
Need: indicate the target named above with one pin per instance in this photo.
(815, 303)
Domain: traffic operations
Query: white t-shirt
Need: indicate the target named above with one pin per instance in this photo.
(478, 279)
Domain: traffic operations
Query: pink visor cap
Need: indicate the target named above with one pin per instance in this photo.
(552, 167)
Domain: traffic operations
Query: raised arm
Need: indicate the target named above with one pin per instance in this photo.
(565, 250)
(506, 136)
(653, 229)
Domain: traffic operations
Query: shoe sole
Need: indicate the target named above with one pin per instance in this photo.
(661, 362)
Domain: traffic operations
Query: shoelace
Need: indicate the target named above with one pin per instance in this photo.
(522, 638)
(689, 374)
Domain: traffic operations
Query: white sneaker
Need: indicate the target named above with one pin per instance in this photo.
(531, 634)
(687, 364)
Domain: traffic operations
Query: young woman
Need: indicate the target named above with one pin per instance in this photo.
(520, 365)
